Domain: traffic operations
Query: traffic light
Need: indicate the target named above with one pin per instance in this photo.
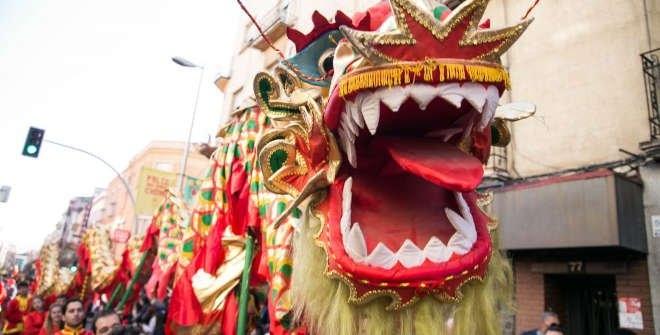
(33, 142)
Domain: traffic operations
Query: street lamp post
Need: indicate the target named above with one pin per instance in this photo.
(184, 160)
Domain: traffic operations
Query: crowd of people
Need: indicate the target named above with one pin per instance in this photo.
(23, 313)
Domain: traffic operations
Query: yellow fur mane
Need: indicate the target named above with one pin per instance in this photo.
(322, 304)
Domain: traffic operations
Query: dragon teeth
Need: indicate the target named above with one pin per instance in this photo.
(492, 97)
(347, 141)
(436, 251)
(423, 95)
(370, 108)
(394, 97)
(475, 94)
(451, 93)
(356, 246)
(364, 111)
(408, 255)
(382, 257)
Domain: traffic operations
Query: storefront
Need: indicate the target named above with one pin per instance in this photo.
(578, 245)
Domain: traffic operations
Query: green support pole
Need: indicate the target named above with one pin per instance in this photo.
(113, 297)
(245, 283)
(129, 289)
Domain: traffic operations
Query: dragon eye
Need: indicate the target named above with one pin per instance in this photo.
(326, 62)
(500, 134)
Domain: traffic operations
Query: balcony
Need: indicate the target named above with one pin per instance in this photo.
(651, 71)
(497, 168)
(273, 23)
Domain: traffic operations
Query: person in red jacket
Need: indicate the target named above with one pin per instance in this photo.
(74, 319)
(16, 309)
(34, 320)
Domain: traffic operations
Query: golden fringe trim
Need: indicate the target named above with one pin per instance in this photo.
(429, 71)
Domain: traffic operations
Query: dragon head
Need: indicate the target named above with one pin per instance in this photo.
(410, 105)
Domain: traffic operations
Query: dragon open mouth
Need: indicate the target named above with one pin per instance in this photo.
(406, 200)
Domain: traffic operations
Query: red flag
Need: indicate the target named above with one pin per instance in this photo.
(152, 234)
(214, 251)
(185, 309)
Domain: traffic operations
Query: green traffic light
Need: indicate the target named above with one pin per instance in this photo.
(31, 149)
(33, 142)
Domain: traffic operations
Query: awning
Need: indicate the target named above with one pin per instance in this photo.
(594, 209)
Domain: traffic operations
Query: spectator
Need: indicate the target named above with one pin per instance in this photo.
(106, 322)
(34, 320)
(54, 320)
(554, 329)
(61, 300)
(74, 319)
(152, 322)
(547, 319)
(16, 310)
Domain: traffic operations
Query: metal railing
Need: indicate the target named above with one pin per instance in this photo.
(497, 167)
(651, 69)
(277, 14)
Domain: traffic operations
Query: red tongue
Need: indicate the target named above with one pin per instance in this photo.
(438, 162)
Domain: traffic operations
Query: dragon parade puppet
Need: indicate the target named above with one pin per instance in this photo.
(355, 171)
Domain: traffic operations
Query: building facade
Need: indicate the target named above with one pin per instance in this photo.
(149, 174)
(7, 252)
(577, 187)
(74, 220)
(97, 210)
(577, 190)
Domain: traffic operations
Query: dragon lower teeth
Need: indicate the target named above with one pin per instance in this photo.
(408, 255)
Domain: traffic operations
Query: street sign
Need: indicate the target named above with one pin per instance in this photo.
(4, 193)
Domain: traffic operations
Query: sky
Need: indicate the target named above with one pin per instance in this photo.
(98, 75)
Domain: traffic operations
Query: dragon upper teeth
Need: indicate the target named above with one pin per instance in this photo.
(475, 94)
(370, 108)
(452, 93)
(395, 97)
(423, 95)
(492, 97)
(408, 255)
(364, 110)
(356, 115)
